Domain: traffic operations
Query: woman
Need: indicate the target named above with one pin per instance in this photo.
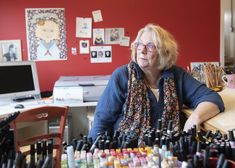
(11, 54)
(151, 87)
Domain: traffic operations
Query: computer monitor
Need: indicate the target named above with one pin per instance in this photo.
(19, 79)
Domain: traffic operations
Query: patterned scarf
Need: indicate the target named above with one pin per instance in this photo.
(137, 106)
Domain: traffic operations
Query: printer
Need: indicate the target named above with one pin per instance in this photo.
(79, 88)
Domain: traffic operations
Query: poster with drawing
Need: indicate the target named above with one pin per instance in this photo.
(113, 35)
(10, 50)
(46, 34)
(83, 27)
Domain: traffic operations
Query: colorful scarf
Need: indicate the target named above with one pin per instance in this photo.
(137, 105)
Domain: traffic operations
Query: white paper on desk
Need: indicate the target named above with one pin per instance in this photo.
(125, 41)
(101, 54)
(83, 27)
(97, 16)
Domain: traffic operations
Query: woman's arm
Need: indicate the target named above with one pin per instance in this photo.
(205, 102)
(203, 112)
(109, 107)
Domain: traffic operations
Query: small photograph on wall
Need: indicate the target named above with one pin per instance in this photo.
(10, 50)
(84, 46)
(101, 54)
(98, 36)
(46, 34)
(113, 35)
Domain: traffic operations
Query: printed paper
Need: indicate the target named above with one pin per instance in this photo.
(84, 46)
(98, 36)
(97, 16)
(83, 27)
(101, 54)
(125, 41)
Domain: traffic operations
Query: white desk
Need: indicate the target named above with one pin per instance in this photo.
(223, 121)
(77, 117)
(10, 108)
(78, 111)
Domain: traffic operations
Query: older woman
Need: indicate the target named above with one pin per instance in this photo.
(152, 87)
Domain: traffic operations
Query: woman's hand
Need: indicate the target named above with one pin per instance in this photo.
(203, 112)
(191, 121)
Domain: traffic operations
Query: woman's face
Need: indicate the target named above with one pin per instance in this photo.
(47, 30)
(146, 51)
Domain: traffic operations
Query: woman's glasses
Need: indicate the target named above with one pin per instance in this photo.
(149, 46)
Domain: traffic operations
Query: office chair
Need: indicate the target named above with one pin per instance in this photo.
(45, 113)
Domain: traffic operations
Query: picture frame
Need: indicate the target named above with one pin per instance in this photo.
(113, 35)
(46, 34)
(10, 50)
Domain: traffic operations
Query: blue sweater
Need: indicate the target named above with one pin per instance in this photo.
(109, 110)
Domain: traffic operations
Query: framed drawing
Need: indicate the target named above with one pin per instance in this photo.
(10, 50)
(46, 34)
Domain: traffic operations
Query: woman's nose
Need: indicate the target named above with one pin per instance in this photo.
(144, 50)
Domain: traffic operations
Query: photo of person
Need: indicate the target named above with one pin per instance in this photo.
(107, 53)
(11, 54)
(100, 54)
(113, 35)
(94, 54)
(98, 36)
(46, 34)
(10, 50)
(84, 46)
(99, 40)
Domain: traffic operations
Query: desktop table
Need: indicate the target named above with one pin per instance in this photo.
(77, 116)
(223, 121)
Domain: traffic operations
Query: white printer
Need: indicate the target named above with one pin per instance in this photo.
(79, 88)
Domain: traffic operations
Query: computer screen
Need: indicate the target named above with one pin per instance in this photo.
(18, 79)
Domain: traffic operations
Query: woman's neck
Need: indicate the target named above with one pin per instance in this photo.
(152, 78)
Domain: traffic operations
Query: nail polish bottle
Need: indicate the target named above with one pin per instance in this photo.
(232, 143)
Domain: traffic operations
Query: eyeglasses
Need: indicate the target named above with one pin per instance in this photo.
(149, 46)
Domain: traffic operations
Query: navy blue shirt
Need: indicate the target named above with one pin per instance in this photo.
(109, 110)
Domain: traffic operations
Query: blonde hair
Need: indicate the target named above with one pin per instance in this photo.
(167, 48)
(48, 25)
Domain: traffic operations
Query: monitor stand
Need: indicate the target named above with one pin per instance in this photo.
(25, 98)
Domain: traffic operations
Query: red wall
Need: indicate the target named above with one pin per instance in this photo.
(195, 25)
